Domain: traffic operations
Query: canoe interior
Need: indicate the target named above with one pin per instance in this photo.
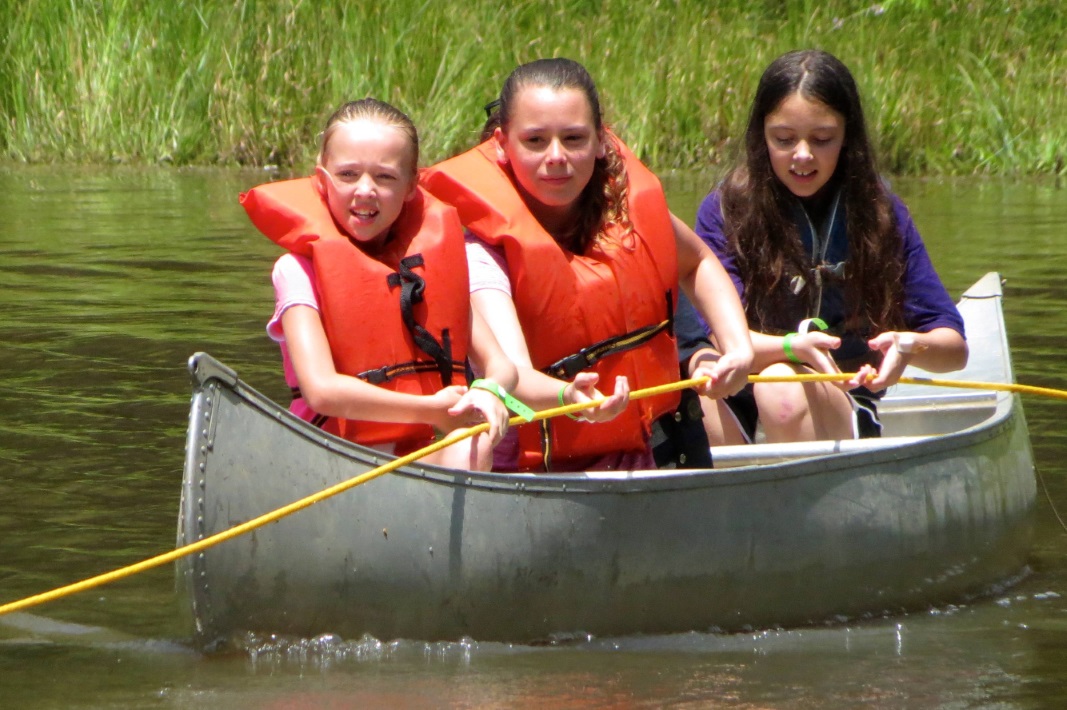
(938, 510)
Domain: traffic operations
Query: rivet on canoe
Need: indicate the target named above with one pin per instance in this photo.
(201, 482)
(431, 550)
(202, 467)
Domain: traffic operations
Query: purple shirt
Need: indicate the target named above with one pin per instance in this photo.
(927, 304)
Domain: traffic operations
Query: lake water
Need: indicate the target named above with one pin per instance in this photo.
(113, 277)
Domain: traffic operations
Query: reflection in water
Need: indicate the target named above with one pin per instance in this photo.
(114, 277)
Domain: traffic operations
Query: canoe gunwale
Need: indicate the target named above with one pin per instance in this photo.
(212, 376)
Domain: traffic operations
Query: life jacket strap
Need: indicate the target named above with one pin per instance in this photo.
(412, 287)
(385, 373)
(566, 368)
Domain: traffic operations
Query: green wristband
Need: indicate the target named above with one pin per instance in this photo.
(510, 402)
(808, 323)
(787, 346)
(564, 404)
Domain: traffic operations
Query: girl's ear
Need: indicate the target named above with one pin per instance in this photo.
(602, 148)
(413, 190)
(320, 180)
(500, 139)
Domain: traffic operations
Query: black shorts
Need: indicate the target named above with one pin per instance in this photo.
(865, 424)
(679, 439)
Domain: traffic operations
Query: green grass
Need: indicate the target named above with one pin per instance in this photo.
(950, 87)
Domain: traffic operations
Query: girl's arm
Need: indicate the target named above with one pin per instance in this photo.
(336, 395)
(939, 350)
(712, 292)
(490, 360)
(937, 343)
(489, 357)
(536, 389)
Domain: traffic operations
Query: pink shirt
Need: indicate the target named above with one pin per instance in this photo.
(487, 266)
(294, 285)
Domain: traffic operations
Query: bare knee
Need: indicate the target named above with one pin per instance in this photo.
(781, 405)
(471, 454)
(719, 424)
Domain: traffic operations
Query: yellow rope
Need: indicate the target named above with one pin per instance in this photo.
(282, 512)
(960, 384)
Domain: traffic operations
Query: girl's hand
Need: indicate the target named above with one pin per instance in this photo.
(477, 406)
(813, 348)
(727, 373)
(440, 404)
(893, 361)
(583, 389)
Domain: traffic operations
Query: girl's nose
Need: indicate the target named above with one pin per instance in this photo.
(803, 152)
(555, 151)
(365, 185)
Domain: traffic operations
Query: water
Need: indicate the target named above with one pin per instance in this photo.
(113, 277)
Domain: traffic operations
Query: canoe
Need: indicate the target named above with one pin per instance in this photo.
(937, 511)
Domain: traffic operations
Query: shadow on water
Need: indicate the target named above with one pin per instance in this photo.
(113, 283)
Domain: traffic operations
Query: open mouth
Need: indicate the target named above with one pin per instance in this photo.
(802, 173)
(364, 213)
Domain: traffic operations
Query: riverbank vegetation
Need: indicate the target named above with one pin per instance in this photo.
(951, 87)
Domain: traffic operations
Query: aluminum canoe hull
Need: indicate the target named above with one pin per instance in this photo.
(939, 511)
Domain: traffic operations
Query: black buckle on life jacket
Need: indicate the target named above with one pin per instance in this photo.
(566, 368)
(383, 374)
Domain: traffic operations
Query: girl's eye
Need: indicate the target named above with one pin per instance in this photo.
(784, 142)
(534, 140)
(386, 177)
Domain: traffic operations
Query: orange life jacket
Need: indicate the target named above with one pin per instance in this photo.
(420, 277)
(622, 288)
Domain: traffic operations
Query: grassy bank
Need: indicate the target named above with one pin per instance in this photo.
(950, 87)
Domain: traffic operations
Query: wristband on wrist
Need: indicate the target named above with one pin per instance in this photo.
(564, 404)
(787, 347)
(510, 402)
(808, 323)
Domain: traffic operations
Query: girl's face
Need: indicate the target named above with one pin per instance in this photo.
(552, 146)
(804, 139)
(365, 177)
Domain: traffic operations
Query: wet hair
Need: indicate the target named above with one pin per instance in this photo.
(603, 201)
(373, 110)
(757, 207)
